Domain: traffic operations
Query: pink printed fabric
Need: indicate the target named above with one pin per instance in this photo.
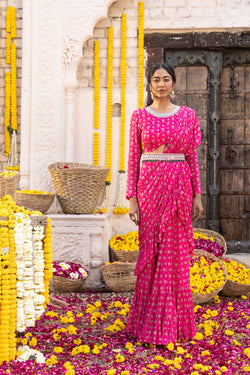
(162, 308)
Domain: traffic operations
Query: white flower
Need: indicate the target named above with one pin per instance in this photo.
(27, 352)
(73, 275)
(65, 266)
(83, 272)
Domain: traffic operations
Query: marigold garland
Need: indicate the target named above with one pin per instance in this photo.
(140, 52)
(48, 268)
(96, 144)
(10, 117)
(123, 76)
(109, 103)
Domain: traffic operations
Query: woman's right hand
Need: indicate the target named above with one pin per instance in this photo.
(134, 212)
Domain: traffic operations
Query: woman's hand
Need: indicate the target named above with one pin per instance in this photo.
(197, 208)
(134, 212)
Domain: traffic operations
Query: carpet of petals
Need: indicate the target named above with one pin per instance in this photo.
(83, 333)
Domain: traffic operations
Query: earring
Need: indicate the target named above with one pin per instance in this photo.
(172, 94)
(152, 95)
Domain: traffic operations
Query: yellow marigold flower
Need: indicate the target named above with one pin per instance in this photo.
(153, 365)
(223, 368)
(180, 350)
(98, 304)
(24, 341)
(33, 341)
(58, 349)
(51, 361)
(126, 372)
(243, 297)
(198, 366)
(247, 352)
(77, 341)
(211, 342)
(79, 315)
(170, 346)
(228, 332)
(72, 330)
(95, 350)
(205, 352)
(119, 358)
(118, 304)
(194, 373)
(111, 371)
(52, 314)
(217, 372)
(85, 349)
(188, 355)
(56, 337)
(198, 336)
(159, 358)
(129, 345)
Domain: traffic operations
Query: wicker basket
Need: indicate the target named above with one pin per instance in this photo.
(233, 289)
(217, 237)
(35, 202)
(80, 188)
(123, 255)
(119, 277)
(203, 298)
(64, 285)
(8, 185)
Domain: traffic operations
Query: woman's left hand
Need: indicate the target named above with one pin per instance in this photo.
(197, 207)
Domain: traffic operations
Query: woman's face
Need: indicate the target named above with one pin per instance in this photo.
(161, 84)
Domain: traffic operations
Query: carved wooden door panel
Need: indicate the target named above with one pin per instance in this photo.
(217, 85)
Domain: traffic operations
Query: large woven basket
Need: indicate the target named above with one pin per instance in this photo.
(119, 277)
(64, 285)
(233, 289)
(123, 255)
(217, 237)
(203, 298)
(34, 202)
(8, 185)
(80, 188)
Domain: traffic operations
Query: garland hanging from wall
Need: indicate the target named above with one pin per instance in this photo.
(10, 116)
(96, 102)
(109, 104)
(140, 53)
(122, 203)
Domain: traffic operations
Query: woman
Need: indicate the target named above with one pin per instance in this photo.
(163, 192)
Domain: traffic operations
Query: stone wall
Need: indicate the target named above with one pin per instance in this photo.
(6, 67)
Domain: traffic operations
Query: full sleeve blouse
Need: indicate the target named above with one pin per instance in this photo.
(180, 133)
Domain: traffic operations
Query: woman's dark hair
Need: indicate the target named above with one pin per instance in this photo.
(152, 71)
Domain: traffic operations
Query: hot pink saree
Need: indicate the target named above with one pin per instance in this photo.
(162, 308)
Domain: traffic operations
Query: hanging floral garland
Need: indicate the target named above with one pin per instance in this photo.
(10, 116)
(140, 53)
(48, 268)
(96, 144)
(121, 204)
(109, 103)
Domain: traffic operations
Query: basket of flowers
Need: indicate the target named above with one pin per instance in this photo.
(238, 278)
(119, 276)
(80, 188)
(34, 199)
(208, 276)
(210, 241)
(8, 182)
(67, 277)
(124, 248)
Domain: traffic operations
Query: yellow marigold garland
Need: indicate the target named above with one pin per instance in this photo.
(7, 112)
(123, 77)
(10, 79)
(96, 142)
(109, 103)
(5, 310)
(140, 52)
(47, 247)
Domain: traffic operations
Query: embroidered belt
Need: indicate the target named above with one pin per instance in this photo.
(162, 157)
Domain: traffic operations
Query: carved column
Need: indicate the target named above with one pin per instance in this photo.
(72, 54)
(215, 67)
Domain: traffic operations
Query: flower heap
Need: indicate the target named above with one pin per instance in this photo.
(126, 242)
(236, 272)
(26, 266)
(96, 102)
(121, 207)
(206, 275)
(10, 117)
(69, 270)
(140, 52)
(208, 244)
